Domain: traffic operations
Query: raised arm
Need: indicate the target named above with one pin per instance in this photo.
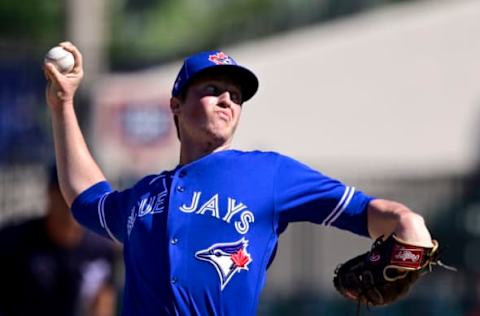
(77, 169)
(387, 217)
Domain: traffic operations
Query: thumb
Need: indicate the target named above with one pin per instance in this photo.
(52, 73)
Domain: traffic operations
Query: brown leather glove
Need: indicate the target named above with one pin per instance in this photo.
(386, 272)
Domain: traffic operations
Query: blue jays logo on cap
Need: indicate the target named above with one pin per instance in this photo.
(215, 62)
(221, 58)
(227, 258)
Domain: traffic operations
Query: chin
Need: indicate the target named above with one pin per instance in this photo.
(219, 137)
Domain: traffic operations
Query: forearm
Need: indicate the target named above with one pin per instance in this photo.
(77, 170)
(387, 217)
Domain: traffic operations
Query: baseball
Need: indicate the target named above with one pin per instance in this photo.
(61, 58)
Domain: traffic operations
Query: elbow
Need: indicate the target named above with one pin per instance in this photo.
(387, 217)
(405, 216)
(408, 219)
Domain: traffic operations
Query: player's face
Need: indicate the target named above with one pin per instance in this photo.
(210, 111)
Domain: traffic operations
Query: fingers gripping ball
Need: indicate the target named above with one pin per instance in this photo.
(61, 58)
(385, 273)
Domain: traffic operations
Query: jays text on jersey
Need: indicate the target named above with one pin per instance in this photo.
(198, 239)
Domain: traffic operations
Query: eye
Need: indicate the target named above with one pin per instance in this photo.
(217, 253)
(212, 90)
(236, 97)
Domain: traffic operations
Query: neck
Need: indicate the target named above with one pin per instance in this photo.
(190, 152)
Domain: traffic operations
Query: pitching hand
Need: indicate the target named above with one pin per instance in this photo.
(61, 88)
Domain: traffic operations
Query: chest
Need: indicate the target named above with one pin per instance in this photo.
(190, 215)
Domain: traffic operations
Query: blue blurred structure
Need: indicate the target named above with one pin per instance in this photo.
(23, 132)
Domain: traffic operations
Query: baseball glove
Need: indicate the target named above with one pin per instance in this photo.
(385, 273)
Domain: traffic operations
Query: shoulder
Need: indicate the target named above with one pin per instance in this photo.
(253, 154)
(241, 160)
(148, 181)
(260, 154)
(270, 160)
(271, 157)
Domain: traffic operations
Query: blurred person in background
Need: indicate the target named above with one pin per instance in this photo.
(51, 266)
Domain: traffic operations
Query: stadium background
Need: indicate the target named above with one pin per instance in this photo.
(383, 95)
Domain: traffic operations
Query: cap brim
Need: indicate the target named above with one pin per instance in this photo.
(245, 78)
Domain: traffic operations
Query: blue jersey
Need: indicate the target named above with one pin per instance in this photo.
(198, 239)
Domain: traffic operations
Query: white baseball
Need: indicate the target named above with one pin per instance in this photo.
(61, 58)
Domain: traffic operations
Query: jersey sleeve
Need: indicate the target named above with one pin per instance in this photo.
(304, 194)
(103, 210)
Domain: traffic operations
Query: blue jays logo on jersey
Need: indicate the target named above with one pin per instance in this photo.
(221, 58)
(227, 258)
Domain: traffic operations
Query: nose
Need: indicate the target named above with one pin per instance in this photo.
(224, 100)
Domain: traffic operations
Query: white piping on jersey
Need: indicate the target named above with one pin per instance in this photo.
(156, 178)
(101, 216)
(342, 199)
(99, 210)
(341, 206)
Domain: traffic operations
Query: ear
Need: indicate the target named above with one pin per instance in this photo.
(175, 105)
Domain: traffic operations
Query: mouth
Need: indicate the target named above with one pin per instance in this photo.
(224, 116)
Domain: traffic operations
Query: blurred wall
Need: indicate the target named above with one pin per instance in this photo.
(393, 92)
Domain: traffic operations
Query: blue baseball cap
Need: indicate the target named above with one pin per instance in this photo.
(215, 62)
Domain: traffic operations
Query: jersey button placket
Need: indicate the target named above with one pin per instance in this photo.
(180, 188)
(175, 248)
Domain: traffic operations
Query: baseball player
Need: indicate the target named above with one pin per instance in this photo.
(199, 238)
